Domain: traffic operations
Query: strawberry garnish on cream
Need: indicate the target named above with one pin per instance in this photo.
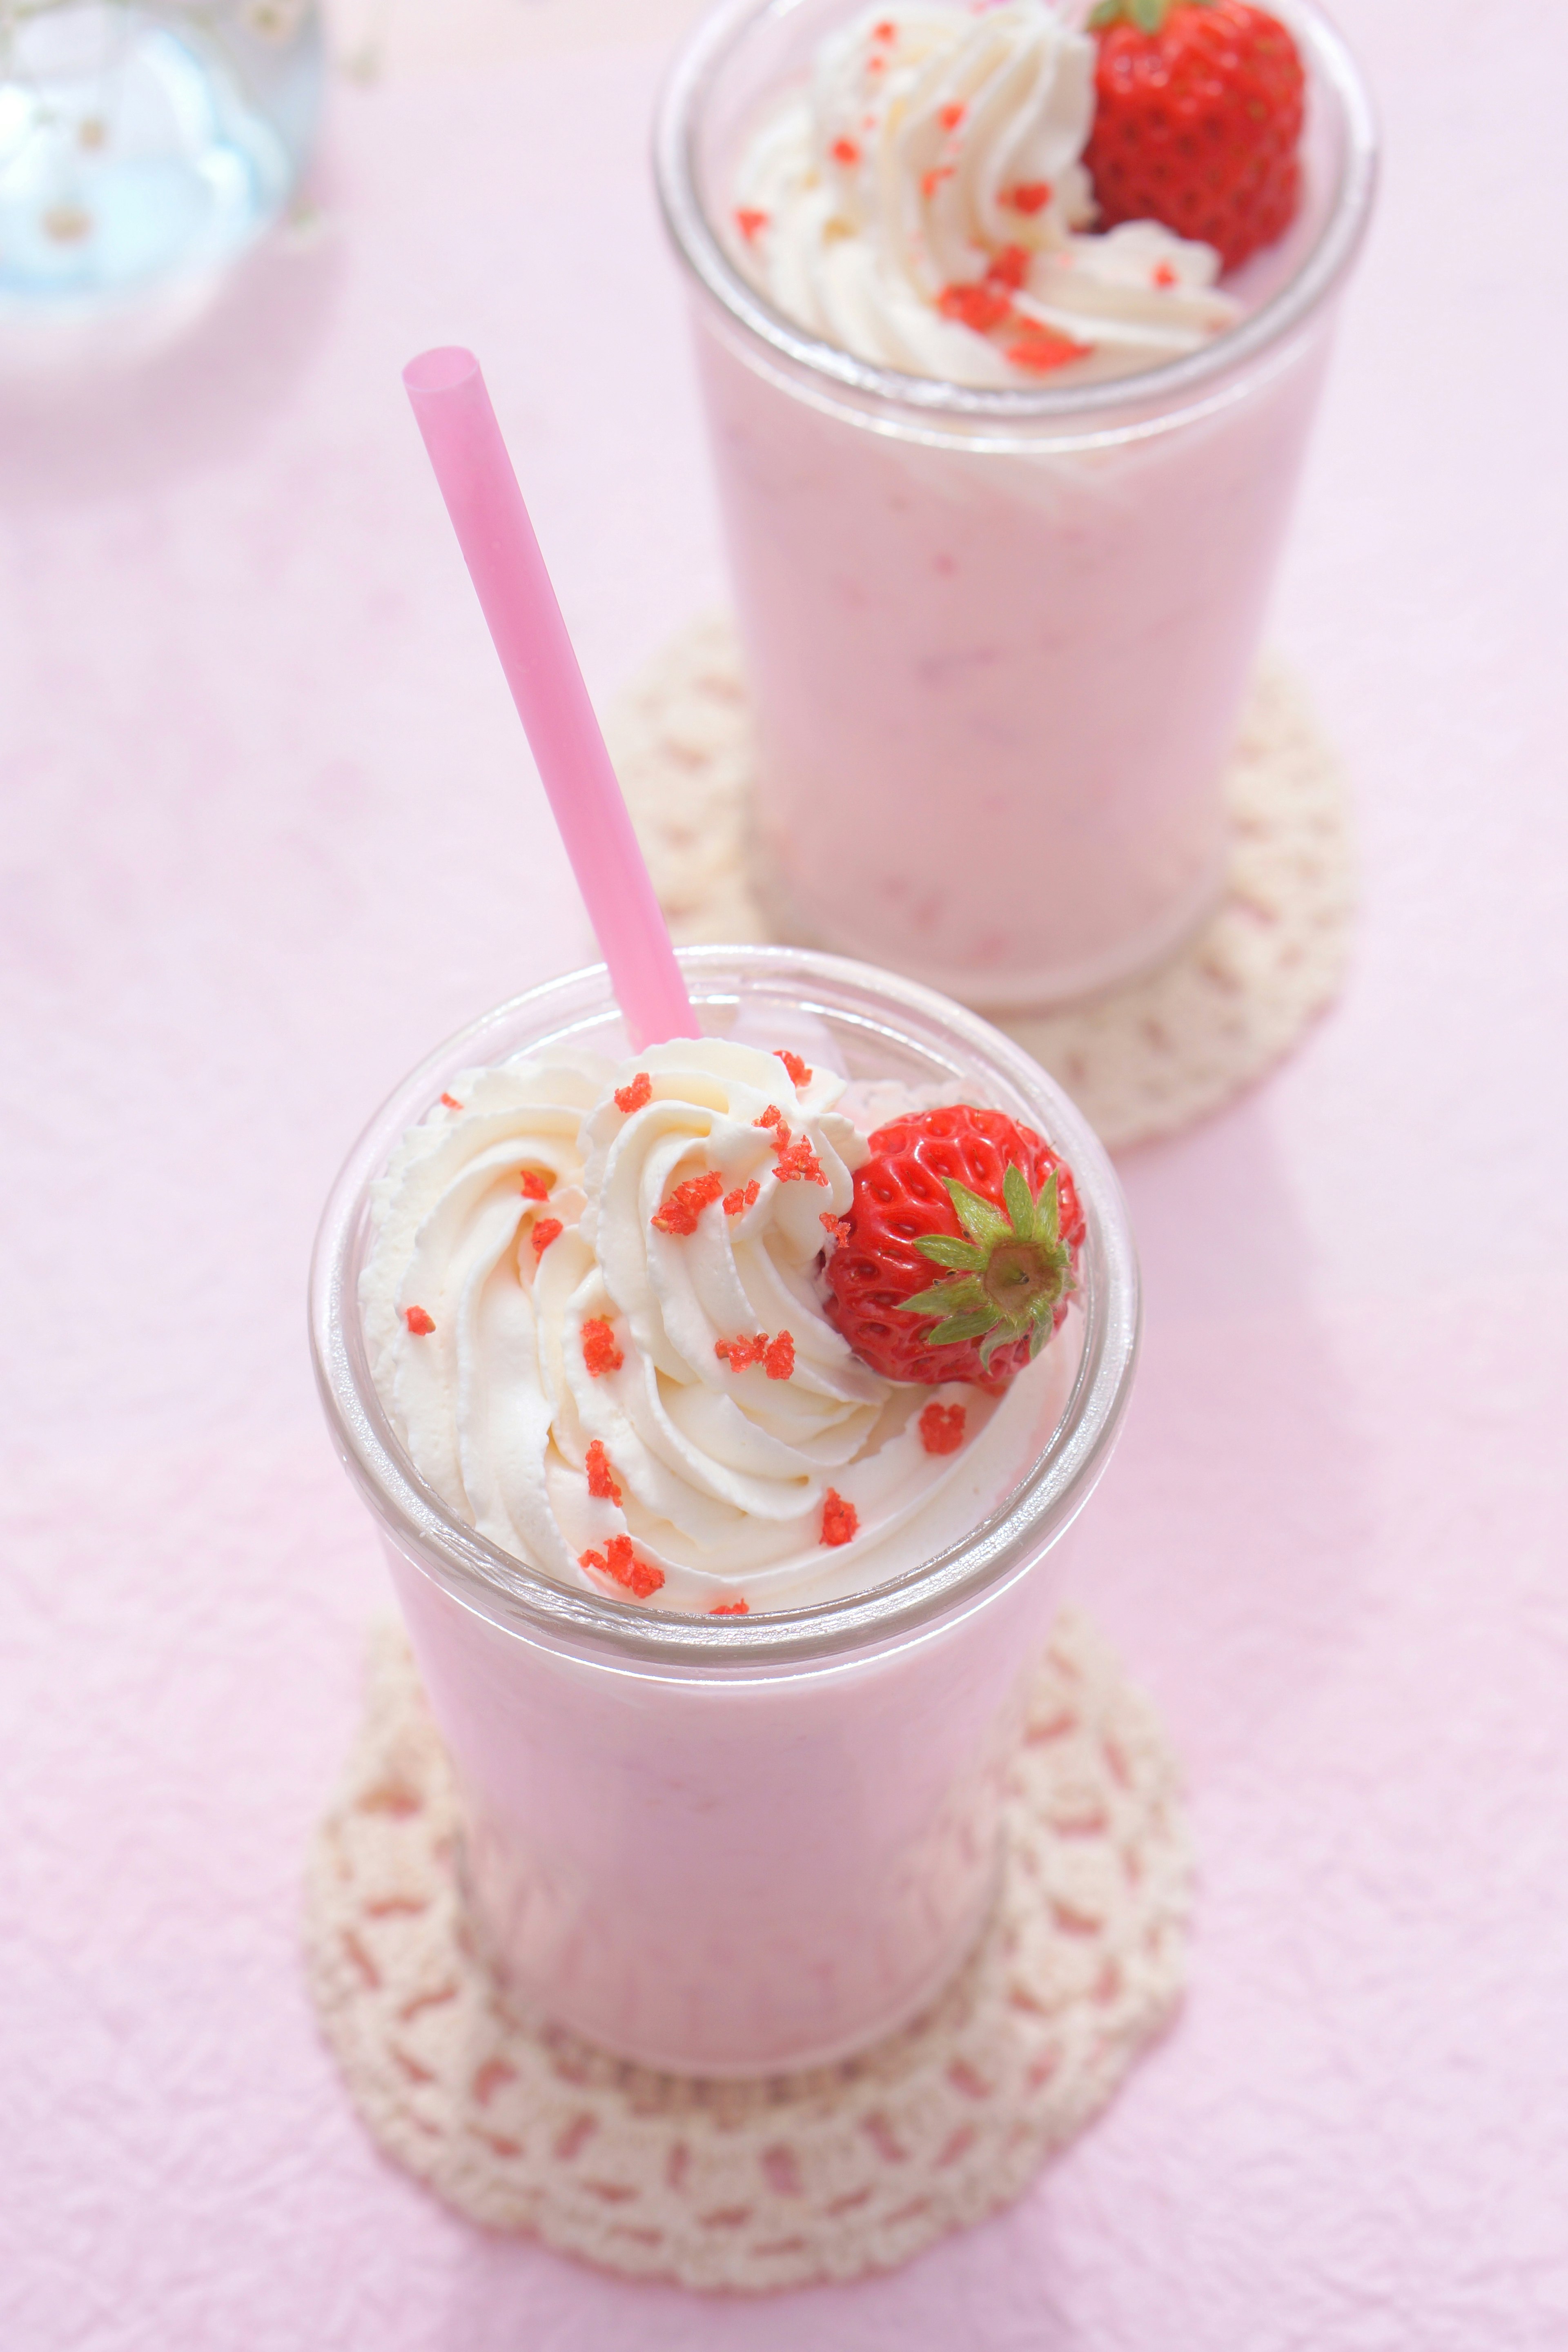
(1199, 106)
(981, 1198)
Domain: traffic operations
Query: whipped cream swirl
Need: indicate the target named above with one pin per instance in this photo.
(575, 1264)
(920, 206)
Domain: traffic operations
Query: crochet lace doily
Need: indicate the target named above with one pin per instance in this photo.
(758, 2184)
(1142, 1059)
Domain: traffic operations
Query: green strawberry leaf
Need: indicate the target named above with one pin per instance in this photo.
(944, 1250)
(971, 1303)
(981, 1220)
(1020, 1207)
(1148, 15)
(962, 1326)
(961, 1298)
(1049, 1212)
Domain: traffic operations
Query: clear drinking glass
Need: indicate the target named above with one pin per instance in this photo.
(736, 1845)
(997, 640)
(144, 143)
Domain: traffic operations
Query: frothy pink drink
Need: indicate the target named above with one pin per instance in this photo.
(724, 1569)
(1004, 489)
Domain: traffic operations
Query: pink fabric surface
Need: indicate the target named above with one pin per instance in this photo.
(269, 831)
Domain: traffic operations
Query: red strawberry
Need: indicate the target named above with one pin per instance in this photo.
(1197, 120)
(986, 1200)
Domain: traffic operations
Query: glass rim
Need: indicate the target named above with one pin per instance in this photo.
(492, 1582)
(1169, 392)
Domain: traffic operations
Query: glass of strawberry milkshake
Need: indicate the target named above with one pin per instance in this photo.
(1011, 332)
(725, 1407)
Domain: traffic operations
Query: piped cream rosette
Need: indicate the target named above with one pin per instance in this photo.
(934, 145)
(574, 1265)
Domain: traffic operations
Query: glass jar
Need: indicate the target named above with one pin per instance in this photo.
(997, 640)
(740, 1845)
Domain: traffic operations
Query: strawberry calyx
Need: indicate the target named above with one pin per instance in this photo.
(877, 1269)
(1006, 1280)
(1146, 16)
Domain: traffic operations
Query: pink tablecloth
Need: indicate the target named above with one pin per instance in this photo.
(269, 833)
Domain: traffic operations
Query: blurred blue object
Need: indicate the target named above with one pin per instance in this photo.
(144, 145)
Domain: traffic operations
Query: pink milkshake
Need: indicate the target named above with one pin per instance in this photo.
(1001, 584)
(727, 1653)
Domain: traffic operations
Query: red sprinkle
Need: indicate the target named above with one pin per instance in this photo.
(798, 1164)
(750, 221)
(840, 1520)
(949, 117)
(980, 307)
(418, 1322)
(931, 181)
(1030, 196)
(632, 1098)
(844, 151)
(1010, 268)
(451, 1102)
(729, 1609)
(687, 1202)
(741, 1352)
(740, 1198)
(779, 1361)
(797, 1069)
(770, 1118)
(547, 1229)
(1163, 276)
(618, 1560)
(601, 1478)
(535, 1187)
(942, 1428)
(886, 31)
(1040, 348)
(839, 1227)
(600, 1353)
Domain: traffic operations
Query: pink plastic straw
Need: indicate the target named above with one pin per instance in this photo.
(459, 425)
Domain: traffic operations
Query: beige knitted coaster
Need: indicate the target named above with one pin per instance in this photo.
(1139, 1060)
(764, 2184)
